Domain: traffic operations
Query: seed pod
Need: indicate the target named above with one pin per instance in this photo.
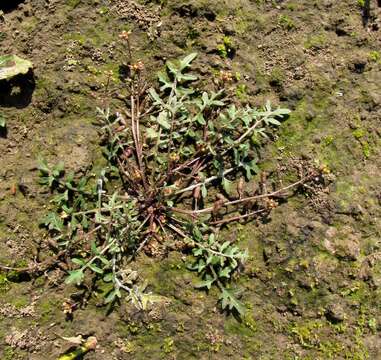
(271, 203)
(153, 227)
(240, 187)
(63, 266)
(197, 192)
(162, 219)
(137, 176)
(52, 243)
(168, 191)
(174, 157)
(221, 197)
(127, 153)
(13, 189)
(124, 35)
(217, 206)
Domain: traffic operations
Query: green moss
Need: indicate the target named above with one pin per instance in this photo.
(366, 149)
(277, 77)
(20, 301)
(245, 20)
(241, 92)
(305, 333)
(316, 42)
(286, 22)
(291, 6)
(375, 56)
(103, 10)
(298, 129)
(328, 140)
(366, 98)
(246, 328)
(250, 322)
(193, 33)
(4, 284)
(73, 3)
(327, 338)
(48, 310)
(359, 133)
(8, 353)
(75, 37)
(361, 3)
(168, 345)
(29, 25)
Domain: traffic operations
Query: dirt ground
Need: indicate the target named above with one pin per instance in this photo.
(313, 280)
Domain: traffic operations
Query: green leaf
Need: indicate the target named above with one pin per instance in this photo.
(272, 121)
(200, 119)
(172, 67)
(66, 209)
(162, 120)
(12, 65)
(212, 239)
(184, 63)
(208, 282)
(58, 169)
(163, 78)
(110, 297)
(281, 112)
(43, 166)
(224, 246)
(95, 268)
(250, 169)
(228, 300)
(225, 272)
(217, 103)
(104, 260)
(197, 234)
(198, 266)
(85, 222)
(94, 248)
(155, 96)
(77, 261)
(3, 123)
(53, 222)
(197, 251)
(108, 277)
(75, 277)
(82, 183)
(151, 133)
(187, 77)
(204, 191)
(73, 224)
(61, 198)
(227, 185)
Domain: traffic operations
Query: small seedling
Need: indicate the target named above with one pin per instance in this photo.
(227, 48)
(175, 154)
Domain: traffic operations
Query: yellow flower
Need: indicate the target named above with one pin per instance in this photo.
(124, 35)
(138, 66)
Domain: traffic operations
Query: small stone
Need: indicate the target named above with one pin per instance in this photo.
(358, 65)
(344, 244)
(348, 248)
(335, 312)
